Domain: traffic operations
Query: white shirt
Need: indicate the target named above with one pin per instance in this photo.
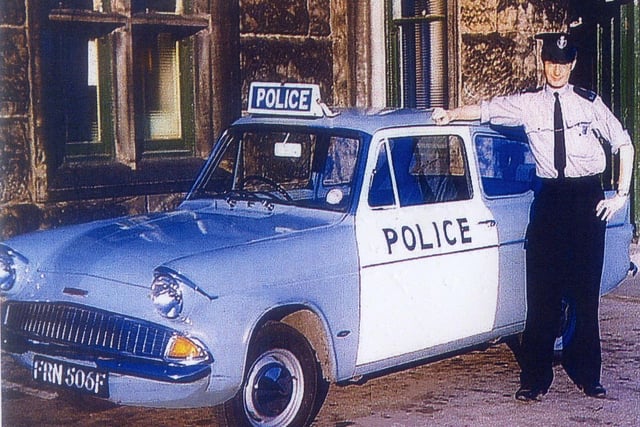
(585, 120)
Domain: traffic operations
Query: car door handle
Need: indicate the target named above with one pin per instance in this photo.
(488, 222)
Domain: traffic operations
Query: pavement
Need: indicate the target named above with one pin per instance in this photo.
(477, 389)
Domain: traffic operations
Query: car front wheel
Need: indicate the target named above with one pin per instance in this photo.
(283, 383)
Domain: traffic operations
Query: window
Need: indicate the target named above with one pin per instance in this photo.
(430, 169)
(426, 169)
(341, 161)
(85, 101)
(122, 87)
(297, 168)
(506, 166)
(417, 52)
(381, 189)
(165, 115)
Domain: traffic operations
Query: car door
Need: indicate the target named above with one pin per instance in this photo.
(427, 245)
(617, 261)
(507, 175)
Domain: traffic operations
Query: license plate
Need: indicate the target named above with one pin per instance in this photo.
(68, 375)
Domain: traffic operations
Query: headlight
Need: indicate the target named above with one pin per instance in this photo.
(7, 271)
(167, 295)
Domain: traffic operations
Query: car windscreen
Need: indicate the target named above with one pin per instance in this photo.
(296, 167)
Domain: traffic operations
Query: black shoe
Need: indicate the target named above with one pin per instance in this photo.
(526, 394)
(597, 391)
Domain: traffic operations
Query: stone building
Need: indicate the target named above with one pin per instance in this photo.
(109, 107)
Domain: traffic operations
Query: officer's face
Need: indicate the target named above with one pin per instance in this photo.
(557, 75)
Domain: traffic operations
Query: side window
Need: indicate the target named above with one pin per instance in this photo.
(506, 166)
(381, 189)
(430, 169)
(341, 161)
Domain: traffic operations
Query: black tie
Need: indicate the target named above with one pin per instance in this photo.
(559, 149)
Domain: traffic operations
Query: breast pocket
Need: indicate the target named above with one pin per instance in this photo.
(539, 123)
(579, 121)
(581, 135)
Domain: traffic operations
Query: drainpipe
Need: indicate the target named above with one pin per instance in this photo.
(437, 58)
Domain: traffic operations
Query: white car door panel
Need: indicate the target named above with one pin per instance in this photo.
(429, 263)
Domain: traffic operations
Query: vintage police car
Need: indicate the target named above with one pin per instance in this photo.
(313, 247)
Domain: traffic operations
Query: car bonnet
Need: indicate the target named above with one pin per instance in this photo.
(128, 249)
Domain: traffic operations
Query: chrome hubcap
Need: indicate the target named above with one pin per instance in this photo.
(275, 389)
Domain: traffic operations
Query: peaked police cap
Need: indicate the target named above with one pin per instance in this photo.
(557, 47)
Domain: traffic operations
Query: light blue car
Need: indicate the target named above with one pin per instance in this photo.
(314, 247)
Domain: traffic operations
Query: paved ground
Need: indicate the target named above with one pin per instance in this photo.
(477, 389)
(474, 389)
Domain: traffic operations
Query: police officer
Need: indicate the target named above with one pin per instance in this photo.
(566, 126)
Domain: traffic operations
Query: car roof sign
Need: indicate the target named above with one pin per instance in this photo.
(290, 99)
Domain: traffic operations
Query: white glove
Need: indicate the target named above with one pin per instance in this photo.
(608, 207)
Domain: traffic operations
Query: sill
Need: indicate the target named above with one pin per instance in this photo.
(101, 23)
(181, 25)
(87, 21)
(98, 180)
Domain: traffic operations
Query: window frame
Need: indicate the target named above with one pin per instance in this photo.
(185, 143)
(87, 150)
(437, 184)
(394, 22)
(120, 167)
(482, 178)
(384, 149)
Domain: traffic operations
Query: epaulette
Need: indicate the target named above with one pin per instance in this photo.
(533, 89)
(585, 93)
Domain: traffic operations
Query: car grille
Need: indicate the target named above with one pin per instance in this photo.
(86, 328)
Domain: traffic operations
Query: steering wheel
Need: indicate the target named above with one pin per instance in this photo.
(279, 188)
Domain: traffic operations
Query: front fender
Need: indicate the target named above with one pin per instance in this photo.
(315, 269)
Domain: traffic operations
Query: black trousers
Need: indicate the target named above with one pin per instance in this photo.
(565, 251)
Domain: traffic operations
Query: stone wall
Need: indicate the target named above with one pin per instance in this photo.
(319, 41)
(498, 49)
(15, 135)
(286, 41)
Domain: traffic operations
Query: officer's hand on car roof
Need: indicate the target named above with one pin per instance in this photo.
(440, 116)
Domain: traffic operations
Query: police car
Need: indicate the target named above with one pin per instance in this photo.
(315, 246)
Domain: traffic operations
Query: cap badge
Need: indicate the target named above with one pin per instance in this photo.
(562, 42)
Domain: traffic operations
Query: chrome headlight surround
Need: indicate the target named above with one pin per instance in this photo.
(166, 295)
(8, 272)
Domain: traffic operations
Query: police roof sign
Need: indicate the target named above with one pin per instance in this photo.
(292, 99)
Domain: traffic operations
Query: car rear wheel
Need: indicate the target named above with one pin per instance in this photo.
(283, 383)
